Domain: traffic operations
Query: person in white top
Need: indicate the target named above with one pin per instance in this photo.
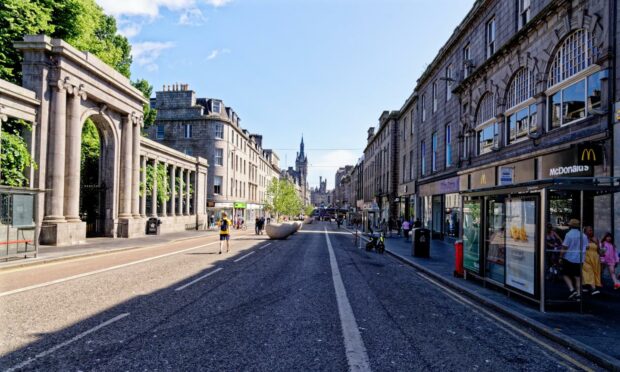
(575, 243)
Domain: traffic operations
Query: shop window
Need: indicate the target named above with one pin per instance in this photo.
(452, 214)
(496, 240)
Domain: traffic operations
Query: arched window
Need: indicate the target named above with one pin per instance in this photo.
(521, 113)
(573, 56)
(574, 81)
(486, 125)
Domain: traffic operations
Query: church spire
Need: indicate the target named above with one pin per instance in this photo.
(301, 147)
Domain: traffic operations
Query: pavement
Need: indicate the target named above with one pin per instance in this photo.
(594, 333)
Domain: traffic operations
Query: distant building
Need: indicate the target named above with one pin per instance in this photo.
(320, 196)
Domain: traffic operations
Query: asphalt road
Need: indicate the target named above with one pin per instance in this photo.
(268, 305)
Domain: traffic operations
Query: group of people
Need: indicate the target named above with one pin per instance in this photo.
(581, 258)
(259, 225)
(224, 225)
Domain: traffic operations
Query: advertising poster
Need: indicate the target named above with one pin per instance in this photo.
(471, 236)
(520, 244)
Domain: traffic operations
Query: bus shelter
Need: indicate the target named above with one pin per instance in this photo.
(19, 226)
(505, 230)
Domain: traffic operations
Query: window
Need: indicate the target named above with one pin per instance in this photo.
(423, 158)
(434, 152)
(404, 167)
(578, 96)
(486, 126)
(410, 165)
(217, 185)
(466, 61)
(219, 131)
(216, 106)
(434, 96)
(187, 130)
(423, 104)
(219, 157)
(466, 146)
(160, 131)
(448, 145)
(524, 12)
(412, 115)
(521, 114)
(449, 81)
(490, 37)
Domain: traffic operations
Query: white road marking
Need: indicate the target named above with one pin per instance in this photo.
(505, 325)
(264, 246)
(242, 257)
(353, 343)
(101, 270)
(198, 279)
(61, 345)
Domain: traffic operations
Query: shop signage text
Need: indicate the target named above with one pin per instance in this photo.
(566, 163)
(240, 205)
(566, 171)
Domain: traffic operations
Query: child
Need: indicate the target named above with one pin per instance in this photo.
(609, 257)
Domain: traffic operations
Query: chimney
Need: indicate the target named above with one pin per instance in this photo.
(371, 133)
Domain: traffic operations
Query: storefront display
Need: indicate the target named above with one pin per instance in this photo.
(521, 244)
(496, 240)
(471, 236)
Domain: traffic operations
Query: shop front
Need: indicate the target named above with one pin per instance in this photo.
(510, 210)
(215, 210)
(440, 210)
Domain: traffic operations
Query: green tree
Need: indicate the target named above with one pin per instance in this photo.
(147, 90)
(308, 210)
(282, 199)
(15, 157)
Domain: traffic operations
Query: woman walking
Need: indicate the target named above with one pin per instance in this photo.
(592, 264)
(609, 257)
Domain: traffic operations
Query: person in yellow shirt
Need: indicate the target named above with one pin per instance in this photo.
(224, 224)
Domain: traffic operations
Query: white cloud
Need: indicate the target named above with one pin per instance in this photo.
(129, 29)
(146, 53)
(216, 52)
(192, 17)
(217, 3)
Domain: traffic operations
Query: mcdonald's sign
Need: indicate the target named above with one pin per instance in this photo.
(589, 154)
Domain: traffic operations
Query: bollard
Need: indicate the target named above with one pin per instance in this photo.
(458, 259)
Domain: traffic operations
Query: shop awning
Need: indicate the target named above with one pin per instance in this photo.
(598, 185)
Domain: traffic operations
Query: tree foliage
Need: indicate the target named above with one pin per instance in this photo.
(91, 149)
(282, 199)
(163, 186)
(15, 157)
(146, 89)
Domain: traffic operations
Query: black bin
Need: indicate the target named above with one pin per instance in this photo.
(421, 242)
(152, 226)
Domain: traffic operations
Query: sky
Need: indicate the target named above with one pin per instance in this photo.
(324, 69)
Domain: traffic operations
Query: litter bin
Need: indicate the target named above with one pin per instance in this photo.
(458, 259)
(152, 226)
(421, 242)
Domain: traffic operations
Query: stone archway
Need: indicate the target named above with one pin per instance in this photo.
(72, 86)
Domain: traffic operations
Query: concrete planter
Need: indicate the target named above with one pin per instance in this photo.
(279, 231)
(308, 220)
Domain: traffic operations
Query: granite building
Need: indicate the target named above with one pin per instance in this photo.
(240, 169)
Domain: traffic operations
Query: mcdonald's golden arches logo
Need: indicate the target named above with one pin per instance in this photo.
(483, 179)
(588, 154)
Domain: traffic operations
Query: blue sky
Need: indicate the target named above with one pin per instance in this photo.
(326, 69)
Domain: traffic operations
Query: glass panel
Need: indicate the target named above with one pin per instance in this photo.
(437, 214)
(511, 122)
(594, 90)
(452, 214)
(471, 236)
(573, 102)
(521, 244)
(522, 123)
(486, 139)
(555, 104)
(533, 116)
(496, 240)
(427, 212)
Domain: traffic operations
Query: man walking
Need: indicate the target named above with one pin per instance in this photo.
(575, 243)
(224, 225)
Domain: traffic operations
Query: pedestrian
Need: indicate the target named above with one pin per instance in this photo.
(257, 225)
(592, 263)
(212, 221)
(609, 257)
(338, 221)
(553, 246)
(575, 243)
(406, 228)
(417, 223)
(224, 224)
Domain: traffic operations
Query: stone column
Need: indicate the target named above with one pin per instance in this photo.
(54, 206)
(143, 206)
(73, 157)
(164, 205)
(126, 165)
(180, 196)
(135, 183)
(4, 117)
(154, 193)
(187, 172)
(173, 191)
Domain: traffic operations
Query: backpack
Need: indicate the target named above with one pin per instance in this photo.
(224, 225)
